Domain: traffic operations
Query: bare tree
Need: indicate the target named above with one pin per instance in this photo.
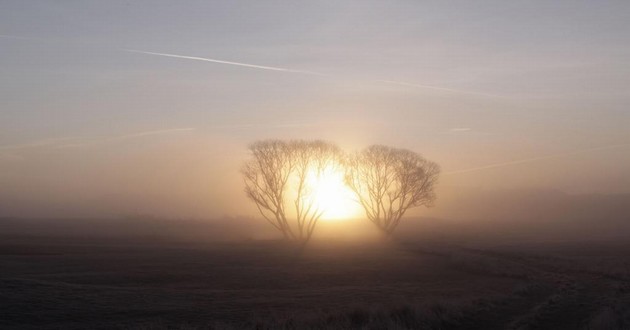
(313, 160)
(388, 181)
(280, 172)
(266, 176)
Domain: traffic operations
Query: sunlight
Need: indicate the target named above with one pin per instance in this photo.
(331, 195)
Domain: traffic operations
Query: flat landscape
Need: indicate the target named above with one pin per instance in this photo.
(102, 283)
(351, 164)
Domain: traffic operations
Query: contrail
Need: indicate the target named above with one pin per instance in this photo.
(247, 65)
(261, 67)
(530, 160)
(313, 73)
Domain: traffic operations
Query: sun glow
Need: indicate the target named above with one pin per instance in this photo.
(331, 196)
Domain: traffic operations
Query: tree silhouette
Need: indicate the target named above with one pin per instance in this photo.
(388, 181)
(281, 172)
(313, 159)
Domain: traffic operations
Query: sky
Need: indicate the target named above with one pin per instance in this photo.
(110, 108)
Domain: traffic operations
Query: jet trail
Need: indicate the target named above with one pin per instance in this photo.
(313, 73)
(260, 67)
(530, 160)
(205, 59)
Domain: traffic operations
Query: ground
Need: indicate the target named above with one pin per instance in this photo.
(58, 282)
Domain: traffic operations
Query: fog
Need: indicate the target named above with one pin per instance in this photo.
(269, 164)
(524, 106)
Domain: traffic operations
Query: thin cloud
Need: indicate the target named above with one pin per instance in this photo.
(280, 125)
(10, 152)
(70, 145)
(535, 159)
(460, 129)
(15, 37)
(74, 142)
(10, 157)
(294, 125)
(437, 88)
(37, 143)
(157, 132)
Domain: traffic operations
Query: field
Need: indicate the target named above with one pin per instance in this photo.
(124, 283)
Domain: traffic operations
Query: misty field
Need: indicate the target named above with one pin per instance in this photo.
(98, 283)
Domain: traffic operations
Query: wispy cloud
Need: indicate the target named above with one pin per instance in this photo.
(460, 129)
(37, 143)
(535, 159)
(7, 156)
(254, 126)
(75, 142)
(437, 88)
(15, 37)
(156, 132)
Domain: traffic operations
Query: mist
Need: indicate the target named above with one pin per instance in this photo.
(91, 129)
(314, 165)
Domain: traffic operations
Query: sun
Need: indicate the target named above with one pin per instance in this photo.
(330, 194)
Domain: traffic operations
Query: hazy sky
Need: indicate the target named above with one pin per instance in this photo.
(94, 121)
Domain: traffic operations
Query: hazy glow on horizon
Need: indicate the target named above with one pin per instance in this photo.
(116, 108)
